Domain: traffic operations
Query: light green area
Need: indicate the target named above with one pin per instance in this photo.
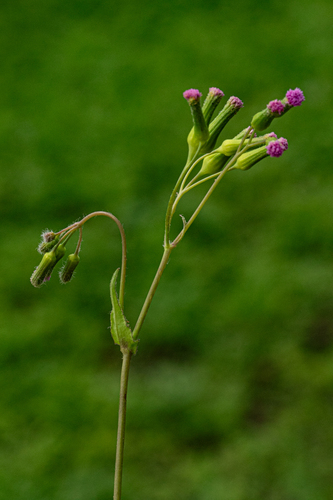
(231, 391)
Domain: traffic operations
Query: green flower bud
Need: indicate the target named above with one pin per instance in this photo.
(213, 163)
(230, 146)
(211, 102)
(44, 270)
(232, 107)
(199, 132)
(47, 244)
(250, 158)
(262, 120)
(67, 271)
(59, 251)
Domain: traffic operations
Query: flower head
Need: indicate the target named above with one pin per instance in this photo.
(295, 97)
(216, 92)
(275, 106)
(274, 149)
(192, 94)
(272, 134)
(235, 102)
(284, 143)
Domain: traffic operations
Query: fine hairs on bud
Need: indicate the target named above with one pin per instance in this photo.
(67, 272)
(44, 269)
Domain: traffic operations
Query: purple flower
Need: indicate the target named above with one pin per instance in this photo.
(192, 94)
(275, 106)
(284, 143)
(295, 97)
(272, 134)
(216, 92)
(235, 102)
(274, 149)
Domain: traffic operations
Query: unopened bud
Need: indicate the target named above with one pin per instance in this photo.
(230, 146)
(232, 106)
(211, 102)
(199, 132)
(262, 120)
(250, 158)
(47, 244)
(44, 270)
(59, 251)
(213, 163)
(67, 271)
(48, 235)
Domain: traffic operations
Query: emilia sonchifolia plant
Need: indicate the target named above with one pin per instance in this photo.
(205, 163)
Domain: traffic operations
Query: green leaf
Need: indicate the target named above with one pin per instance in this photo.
(120, 331)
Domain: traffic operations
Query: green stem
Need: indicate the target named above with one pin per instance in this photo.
(123, 246)
(121, 425)
(152, 290)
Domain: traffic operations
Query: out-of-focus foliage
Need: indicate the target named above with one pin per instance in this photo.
(231, 392)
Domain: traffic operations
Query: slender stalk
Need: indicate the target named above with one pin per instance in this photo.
(121, 425)
(123, 246)
(152, 290)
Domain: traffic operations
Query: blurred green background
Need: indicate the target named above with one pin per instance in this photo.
(231, 392)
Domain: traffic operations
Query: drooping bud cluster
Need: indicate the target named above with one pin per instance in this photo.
(53, 249)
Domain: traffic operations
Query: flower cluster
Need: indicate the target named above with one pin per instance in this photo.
(204, 134)
(53, 249)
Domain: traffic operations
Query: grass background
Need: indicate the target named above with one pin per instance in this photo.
(231, 392)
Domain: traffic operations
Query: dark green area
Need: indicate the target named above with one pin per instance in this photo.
(231, 391)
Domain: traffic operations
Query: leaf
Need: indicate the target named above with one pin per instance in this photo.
(120, 331)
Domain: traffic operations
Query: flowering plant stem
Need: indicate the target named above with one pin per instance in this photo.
(121, 425)
(238, 153)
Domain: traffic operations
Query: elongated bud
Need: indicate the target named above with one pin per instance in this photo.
(232, 106)
(211, 102)
(273, 148)
(230, 146)
(67, 271)
(47, 244)
(213, 163)
(262, 120)
(44, 270)
(199, 132)
(250, 158)
(59, 251)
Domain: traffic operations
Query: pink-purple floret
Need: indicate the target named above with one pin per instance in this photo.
(216, 92)
(192, 94)
(284, 143)
(272, 134)
(295, 97)
(235, 102)
(274, 149)
(275, 106)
